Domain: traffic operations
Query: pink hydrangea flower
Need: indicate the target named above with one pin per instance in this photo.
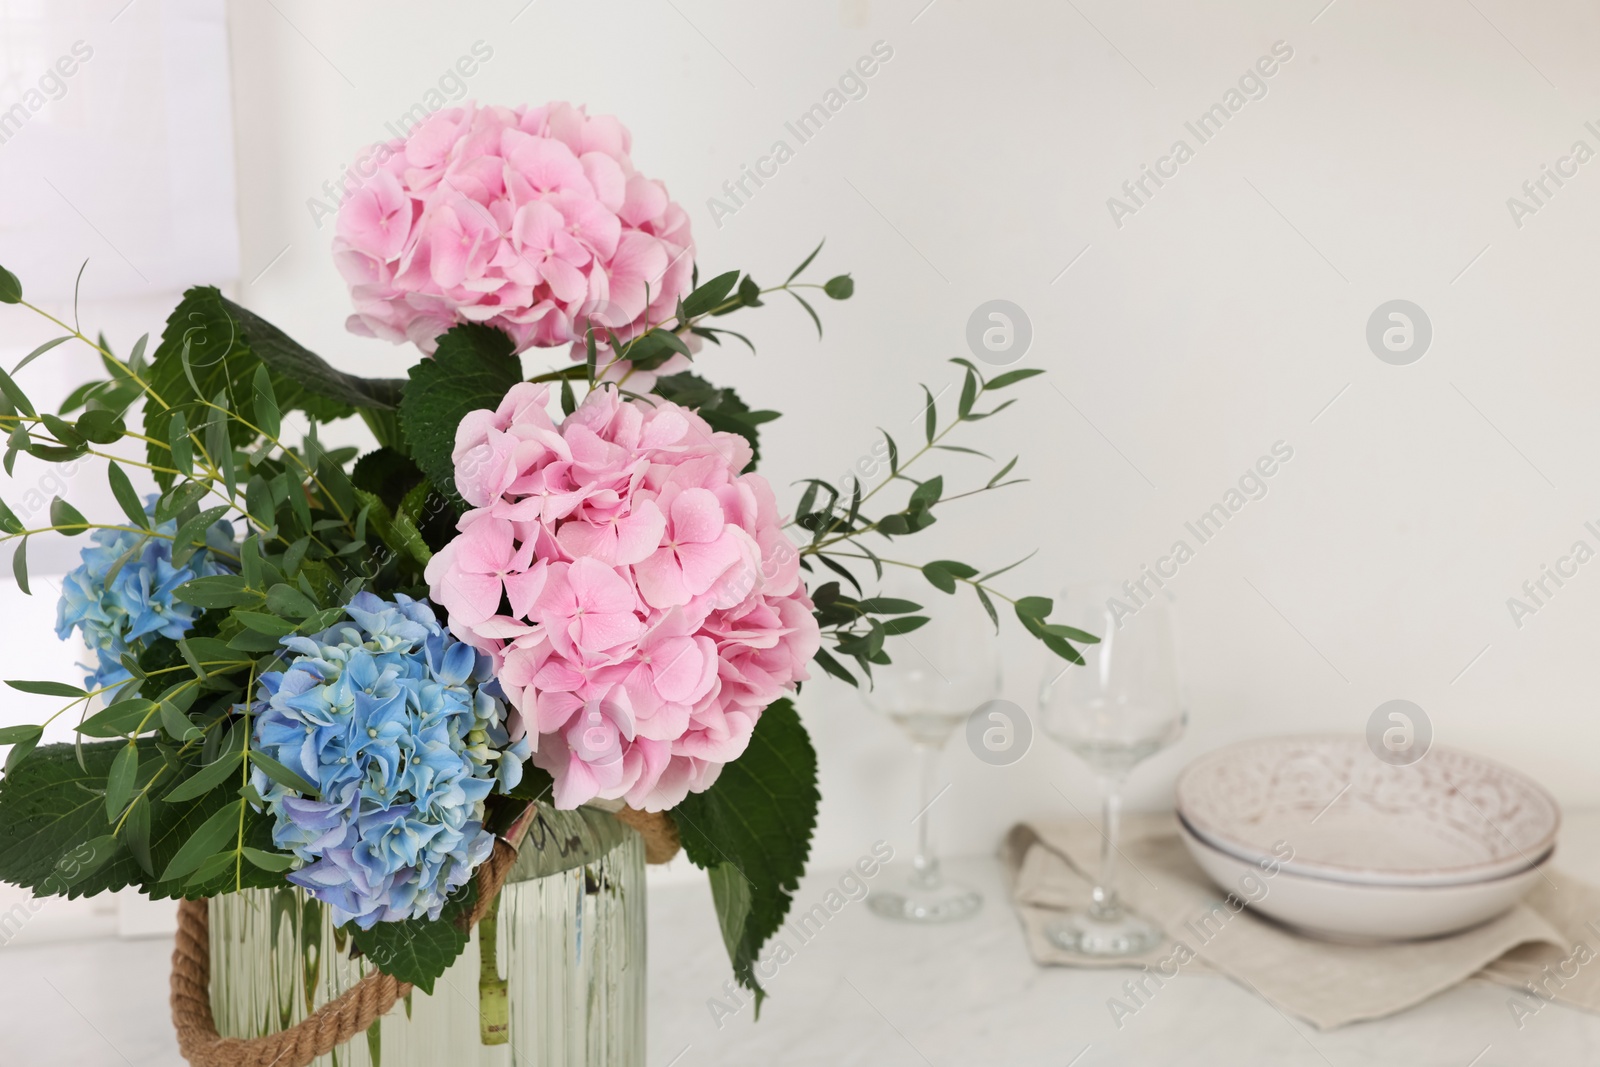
(531, 219)
(636, 591)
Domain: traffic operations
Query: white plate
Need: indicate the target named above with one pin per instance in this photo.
(1450, 819)
(1345, 911)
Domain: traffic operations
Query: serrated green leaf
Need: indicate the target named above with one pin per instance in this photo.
(474, 367)
(136, 833)
(419, 950)
(758, 817)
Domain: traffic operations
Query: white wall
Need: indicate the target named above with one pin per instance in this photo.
(1220, 318)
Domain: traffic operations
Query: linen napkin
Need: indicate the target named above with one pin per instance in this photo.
(1541, 948)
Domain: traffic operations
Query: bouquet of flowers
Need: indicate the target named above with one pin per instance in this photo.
(352, 671)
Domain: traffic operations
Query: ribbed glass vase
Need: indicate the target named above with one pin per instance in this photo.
(553, 977)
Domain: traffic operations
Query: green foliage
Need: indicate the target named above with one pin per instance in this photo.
(473, 367)
(754, 826)
(419, 950)
(213, 348)
(10, 288)
(52, 807)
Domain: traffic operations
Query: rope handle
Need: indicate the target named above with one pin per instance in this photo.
(354, 1010)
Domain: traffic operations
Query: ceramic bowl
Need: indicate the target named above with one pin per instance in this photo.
(1340, 814)
(1349, 911)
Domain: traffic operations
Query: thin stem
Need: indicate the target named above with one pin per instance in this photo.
(1106, 905)
(75, 332)
(991, 590)
(925, 864)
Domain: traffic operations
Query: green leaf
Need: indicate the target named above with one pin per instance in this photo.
(19, 566)
(289, 602)
(1011, 377)
(710, 294)
(269, 861)
(927, 494)
(21, 751)
(10, 288)
(192, 534)
(419, 950)
(48, 689)
(66, 518)
(178, 725)
(41, 350)
(283, 775)
(127, 497)
(178, 500)
(14, 393)
(757, 818)
(267, 415)
(834, 667)
(119, 783)
(52, 807)
(136, 832)
(930, 416)
(1033, 607)
(213, 774)
(1003, 472)
(88, 858)
(117, 720)
(473, 368)
(262, 623)
(101, 426)
(180, 442)
(894, 452)
(885, 605)
(904, 624)
(12, 735)
(217, 591)
(940, 578)
(9, 521)
(988, 605)
(809, 310)
(840, 287)
(804, 263)
(212, 345)
(211, 835)
(969, 394)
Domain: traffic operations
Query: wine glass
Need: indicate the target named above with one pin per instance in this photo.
(1122, 706)
(941, 674)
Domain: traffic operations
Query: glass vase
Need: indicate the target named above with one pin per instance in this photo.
(554, 975)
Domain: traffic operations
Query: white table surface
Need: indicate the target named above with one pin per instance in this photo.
(866, 991)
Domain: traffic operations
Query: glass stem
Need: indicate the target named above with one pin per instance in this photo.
(925, 864)
(1107, 905)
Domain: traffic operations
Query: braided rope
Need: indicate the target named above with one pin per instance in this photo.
(353, 1011)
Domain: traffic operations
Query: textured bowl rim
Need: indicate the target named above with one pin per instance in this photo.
(1525, 860)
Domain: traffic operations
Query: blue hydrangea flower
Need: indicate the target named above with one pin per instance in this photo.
(122, 615)
(404, 734)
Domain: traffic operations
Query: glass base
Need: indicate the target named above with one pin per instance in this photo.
(936, 902)
(1125, 935)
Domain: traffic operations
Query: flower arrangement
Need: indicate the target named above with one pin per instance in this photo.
(350, 670)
